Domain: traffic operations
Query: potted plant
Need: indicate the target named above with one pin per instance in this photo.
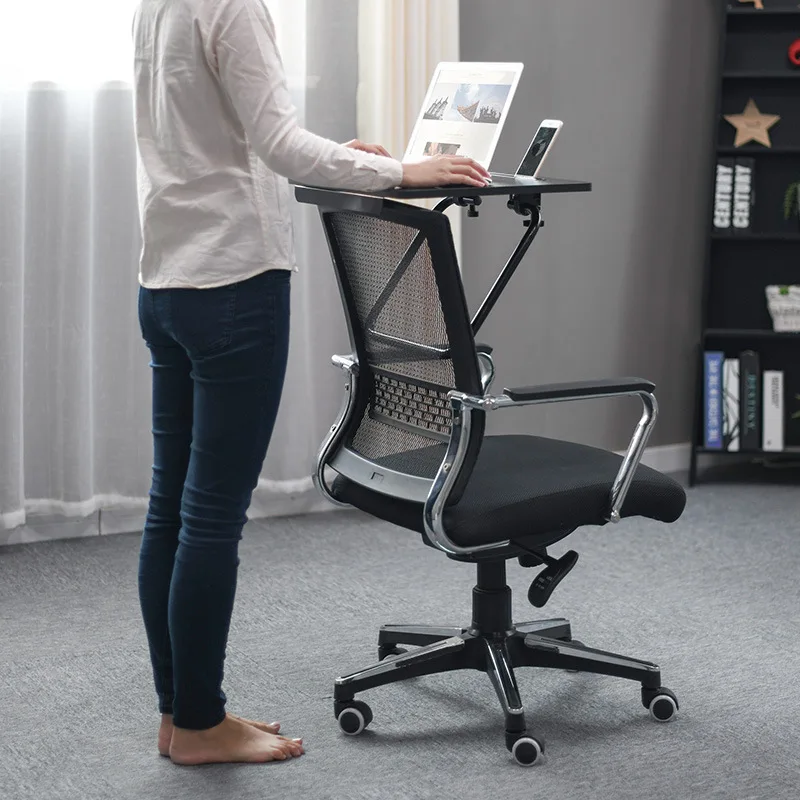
(791, 201)
(783, 303)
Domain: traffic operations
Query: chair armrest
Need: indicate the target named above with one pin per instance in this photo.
(579, 389)
(556, 392)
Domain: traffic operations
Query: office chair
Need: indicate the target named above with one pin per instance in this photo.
(409, 448)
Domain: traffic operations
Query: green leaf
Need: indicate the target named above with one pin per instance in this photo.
(790, 200)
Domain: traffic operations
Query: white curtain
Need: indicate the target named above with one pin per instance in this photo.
(400, 44)
(75, 446)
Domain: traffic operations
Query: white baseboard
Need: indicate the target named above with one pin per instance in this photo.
(667, 457)
(673, 458)
(47, 528)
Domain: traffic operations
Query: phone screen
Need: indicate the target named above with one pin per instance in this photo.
(536, 151)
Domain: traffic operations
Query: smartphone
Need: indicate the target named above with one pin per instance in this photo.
(540, 147)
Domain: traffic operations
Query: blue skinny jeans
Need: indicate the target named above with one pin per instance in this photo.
(218, 359)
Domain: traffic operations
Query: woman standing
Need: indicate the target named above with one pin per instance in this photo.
(217, 139)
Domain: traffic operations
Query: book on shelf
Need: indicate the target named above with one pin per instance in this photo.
(750, 395)
(723, 195)
(745, 408)
(713, 400)
(773, 411)
(791, 414)
(743, 194)
(734, 195)
(730, 405)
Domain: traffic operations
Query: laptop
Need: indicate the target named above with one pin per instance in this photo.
(464, 111)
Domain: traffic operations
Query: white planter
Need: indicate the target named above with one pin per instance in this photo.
(784, 307)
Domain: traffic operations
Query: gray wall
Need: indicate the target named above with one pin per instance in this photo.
(612, 285)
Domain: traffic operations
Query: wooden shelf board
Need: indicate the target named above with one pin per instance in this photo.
(763, 12)
(749, 333)
(738, 74)
(790, 451)
(756, 237)
(758, 151)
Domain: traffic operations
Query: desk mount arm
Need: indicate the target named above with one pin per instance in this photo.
(525, 207)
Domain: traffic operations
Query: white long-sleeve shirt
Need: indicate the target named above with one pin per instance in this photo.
(217, 138)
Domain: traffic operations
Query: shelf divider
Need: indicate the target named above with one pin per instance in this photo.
(749, 333)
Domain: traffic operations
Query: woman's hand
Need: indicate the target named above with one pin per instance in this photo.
(375, 149)
(443, 171)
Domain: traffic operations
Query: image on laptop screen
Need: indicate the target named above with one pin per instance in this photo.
(464, 111)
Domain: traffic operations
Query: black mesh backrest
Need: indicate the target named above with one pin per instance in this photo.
(411, 330)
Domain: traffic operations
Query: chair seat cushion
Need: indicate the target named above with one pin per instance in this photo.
(530, 489)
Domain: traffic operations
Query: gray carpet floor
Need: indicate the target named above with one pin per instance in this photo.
(715, 599)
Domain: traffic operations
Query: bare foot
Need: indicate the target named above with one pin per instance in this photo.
(233, 740)
(165, 731)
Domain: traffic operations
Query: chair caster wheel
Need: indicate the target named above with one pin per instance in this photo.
(386, 650)
(661, 703)
(354, 718)
(527, 751)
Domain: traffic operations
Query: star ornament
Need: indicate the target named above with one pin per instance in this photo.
(752, 125)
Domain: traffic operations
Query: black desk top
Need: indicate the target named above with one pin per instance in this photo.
(502, 185)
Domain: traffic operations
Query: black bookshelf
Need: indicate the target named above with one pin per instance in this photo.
(754, 63)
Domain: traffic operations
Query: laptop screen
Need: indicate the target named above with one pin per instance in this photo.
(464, 111)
